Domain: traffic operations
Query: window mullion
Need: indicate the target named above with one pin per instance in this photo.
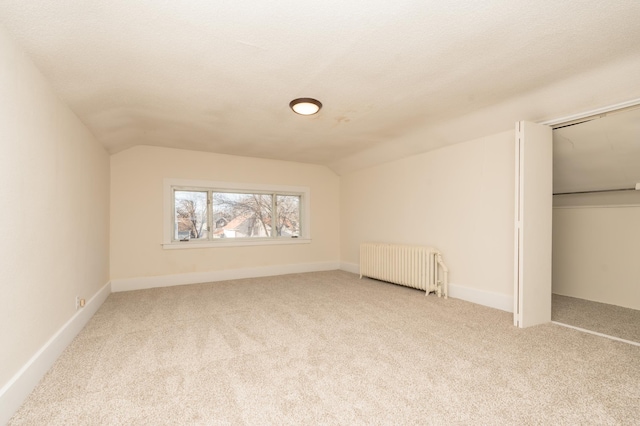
(174, 226)
(301, 230)
(210, 215)
(274, 216)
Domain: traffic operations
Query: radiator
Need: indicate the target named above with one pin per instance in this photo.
(411, 266)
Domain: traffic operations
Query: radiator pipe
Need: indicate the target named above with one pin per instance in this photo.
(445, 277)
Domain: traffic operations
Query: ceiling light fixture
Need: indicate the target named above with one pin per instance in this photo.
(305, 106)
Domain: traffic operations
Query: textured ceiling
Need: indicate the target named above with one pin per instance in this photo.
(218, 76)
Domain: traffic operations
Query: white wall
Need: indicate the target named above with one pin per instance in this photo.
(137, 214)
(459, 199)
(596, 254)
(54, 220)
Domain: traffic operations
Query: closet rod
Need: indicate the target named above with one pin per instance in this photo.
(593, 192)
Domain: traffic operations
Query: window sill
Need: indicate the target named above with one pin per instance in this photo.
(230, 243)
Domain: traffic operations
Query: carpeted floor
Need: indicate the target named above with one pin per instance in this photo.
(599, 317)
(328, 348)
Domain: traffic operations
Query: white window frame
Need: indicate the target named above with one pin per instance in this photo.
(169, 185)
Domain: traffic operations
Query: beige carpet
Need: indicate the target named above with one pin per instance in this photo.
(328, 348)
(599, 317)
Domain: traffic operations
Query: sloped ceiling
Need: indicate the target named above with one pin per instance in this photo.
(395, 78)
(602, 154)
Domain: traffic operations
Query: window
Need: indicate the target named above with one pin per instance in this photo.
(210, 214)
(191, 215)
(242, 215)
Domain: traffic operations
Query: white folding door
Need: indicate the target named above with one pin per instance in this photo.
(533, 217)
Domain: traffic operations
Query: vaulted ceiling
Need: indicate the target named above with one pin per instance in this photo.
(395, 78)
(600, 156)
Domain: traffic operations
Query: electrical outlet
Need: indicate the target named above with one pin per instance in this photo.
(80, 302)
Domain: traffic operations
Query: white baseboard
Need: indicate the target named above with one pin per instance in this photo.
(16, 390)
(141, 283)
(481, 297)
(500, 301)
(354, 268)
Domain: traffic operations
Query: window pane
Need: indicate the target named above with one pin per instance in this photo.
(238, 215)
(288, 207)
(190, 215)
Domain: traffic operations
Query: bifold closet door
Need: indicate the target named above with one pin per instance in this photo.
(533, 222)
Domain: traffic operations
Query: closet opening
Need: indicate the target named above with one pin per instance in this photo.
(596, 223)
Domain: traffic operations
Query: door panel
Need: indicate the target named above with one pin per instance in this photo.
(533, 222)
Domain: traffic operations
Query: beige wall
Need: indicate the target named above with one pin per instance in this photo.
(54, 220)
(137, 212)
(596, 254)
(459, 199)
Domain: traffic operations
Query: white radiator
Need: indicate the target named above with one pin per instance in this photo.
(411, 266)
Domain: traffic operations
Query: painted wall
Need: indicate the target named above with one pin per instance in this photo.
(459, 199)
(596, 252)
(137, 212)
(54, 220)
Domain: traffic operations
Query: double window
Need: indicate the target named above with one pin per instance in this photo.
(223, 212)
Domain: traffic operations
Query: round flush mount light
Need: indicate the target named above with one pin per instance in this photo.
(305, 106)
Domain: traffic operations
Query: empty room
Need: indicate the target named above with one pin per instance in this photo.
(330, 213)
